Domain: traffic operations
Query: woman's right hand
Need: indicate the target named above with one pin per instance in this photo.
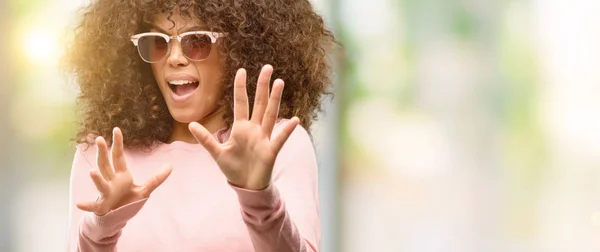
(114, 182)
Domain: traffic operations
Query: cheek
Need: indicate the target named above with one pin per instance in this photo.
(158, 74)
(211, 80)
(156, 71)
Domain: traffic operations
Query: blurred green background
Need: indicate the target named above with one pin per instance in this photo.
(457, 125)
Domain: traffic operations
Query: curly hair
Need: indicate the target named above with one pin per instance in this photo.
(118, 89)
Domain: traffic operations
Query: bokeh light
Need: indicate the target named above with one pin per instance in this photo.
(40, 47)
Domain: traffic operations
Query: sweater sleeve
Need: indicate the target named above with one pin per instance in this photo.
(285, 216)
(87, 231)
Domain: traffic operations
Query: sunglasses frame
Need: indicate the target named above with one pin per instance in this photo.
(212, 35)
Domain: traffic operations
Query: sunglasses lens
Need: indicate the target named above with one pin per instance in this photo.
(196, 46)
(153, 48)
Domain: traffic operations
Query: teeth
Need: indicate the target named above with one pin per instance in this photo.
(180, 82)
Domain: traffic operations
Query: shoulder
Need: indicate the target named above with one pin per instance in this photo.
(298, 143)
(86, 146)
(297, 156)
(84, 156)
(300, 134)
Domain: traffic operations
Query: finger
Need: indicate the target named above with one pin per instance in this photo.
(205, 139)
(156, 180)
(280, 139)
(100, 182)
(88, 206)
(118, 157)
(102, 159)
(273, 107)
(262, 94)
(240, 96)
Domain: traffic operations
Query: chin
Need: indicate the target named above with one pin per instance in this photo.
(185, 116)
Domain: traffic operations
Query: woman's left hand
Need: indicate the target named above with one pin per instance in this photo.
(248, 156)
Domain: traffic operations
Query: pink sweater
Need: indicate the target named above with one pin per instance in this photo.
(196, 209)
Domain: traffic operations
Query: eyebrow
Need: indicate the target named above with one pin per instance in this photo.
(193, 28)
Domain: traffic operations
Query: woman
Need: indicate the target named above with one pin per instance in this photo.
(164, 84)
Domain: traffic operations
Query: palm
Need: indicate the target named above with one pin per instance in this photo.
(247, 158)
(114, 181)
(247, 146)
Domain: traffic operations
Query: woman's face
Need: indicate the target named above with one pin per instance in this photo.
(191, 89)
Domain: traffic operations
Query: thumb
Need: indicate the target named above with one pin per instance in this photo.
(205, 139)
(88, 206)
(156, 180)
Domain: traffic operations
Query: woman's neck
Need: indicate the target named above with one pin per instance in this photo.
(212, 122)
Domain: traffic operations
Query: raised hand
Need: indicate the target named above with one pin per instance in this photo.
(114, 181)
(247, 158)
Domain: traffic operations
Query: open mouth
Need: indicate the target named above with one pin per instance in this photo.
(183, 88)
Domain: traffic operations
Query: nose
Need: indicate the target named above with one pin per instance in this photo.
(176, 58)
